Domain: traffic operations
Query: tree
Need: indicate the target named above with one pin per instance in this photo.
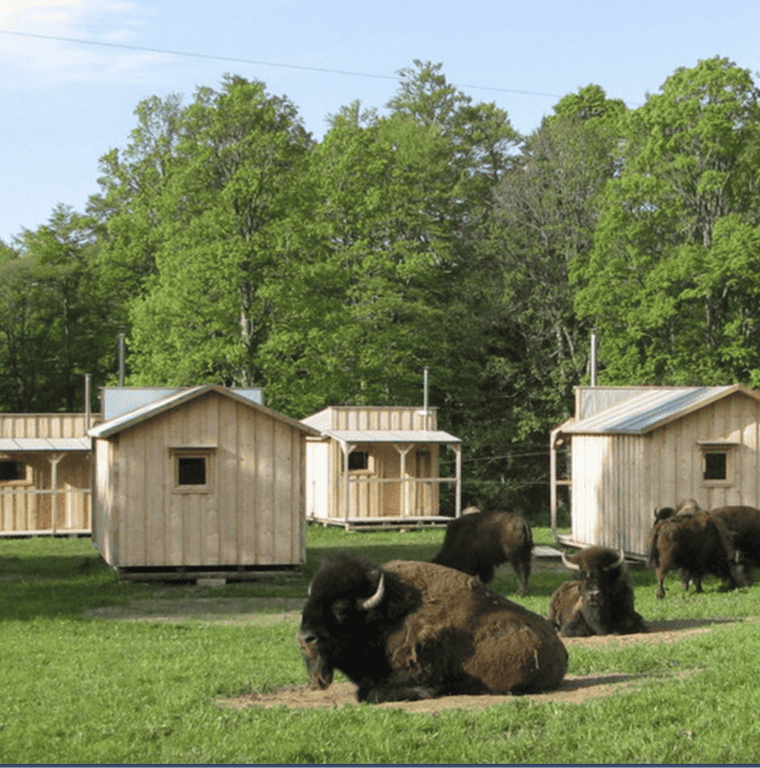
(55, 323)
(227, 187)
(671, 236)
(545, 210)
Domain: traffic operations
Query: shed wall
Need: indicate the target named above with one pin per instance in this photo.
(29, 506)
(251, 512)
(619, 480)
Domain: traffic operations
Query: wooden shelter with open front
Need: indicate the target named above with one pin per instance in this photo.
(45, 474)
(631, 450)
(199, 481)
(378, 466)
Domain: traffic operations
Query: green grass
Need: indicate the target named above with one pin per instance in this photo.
(76, 689)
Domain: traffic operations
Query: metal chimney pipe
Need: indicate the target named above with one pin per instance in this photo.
(425, 392)
(87, 378)
(592, 363)
(121, 358)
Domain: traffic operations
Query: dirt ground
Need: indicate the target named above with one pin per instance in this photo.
(262, 611)
(573, 690)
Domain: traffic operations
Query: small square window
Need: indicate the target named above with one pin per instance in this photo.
(715, 466)
(717, 462)
(12, 471)
(193, 470)
(358, 460)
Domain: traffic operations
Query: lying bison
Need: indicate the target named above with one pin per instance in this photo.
(411, 630)
(696, 544)
(479, 542)
(600, 602)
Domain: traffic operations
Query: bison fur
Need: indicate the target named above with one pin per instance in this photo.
(413, 630)
(478, 542)
(696, 544)
(600, 601)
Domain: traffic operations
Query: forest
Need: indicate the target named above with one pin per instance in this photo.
(230, 247)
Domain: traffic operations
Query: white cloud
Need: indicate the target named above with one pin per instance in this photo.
(38, 59)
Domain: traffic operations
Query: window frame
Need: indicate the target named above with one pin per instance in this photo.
(206, 453)
(725, 448)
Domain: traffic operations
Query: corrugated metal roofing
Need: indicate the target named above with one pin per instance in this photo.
(35, 444)
(392, 436)
(648, 409)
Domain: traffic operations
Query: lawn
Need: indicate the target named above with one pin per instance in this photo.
(82, 682)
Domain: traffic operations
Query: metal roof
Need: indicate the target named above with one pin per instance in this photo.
(36, 444)
(650, 409)
(392, 436)
(151, 409)
(120, 400)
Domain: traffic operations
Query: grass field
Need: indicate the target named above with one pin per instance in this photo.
(80, 689)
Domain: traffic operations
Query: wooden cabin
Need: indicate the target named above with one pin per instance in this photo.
(631, 450)
(45, 474)
(202, 481)
(378, 466)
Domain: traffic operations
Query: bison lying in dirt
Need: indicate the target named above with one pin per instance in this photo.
(600, 601)
(697, 544)
(411, 630)
(478, 542)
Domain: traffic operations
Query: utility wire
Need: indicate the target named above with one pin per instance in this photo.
(259, 63)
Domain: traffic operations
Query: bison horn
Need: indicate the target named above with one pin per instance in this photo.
(569, 563)
(617, 563)
(374, 600)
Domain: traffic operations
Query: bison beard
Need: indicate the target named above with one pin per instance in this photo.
(600, 601)
(411, 630)
(478, 542)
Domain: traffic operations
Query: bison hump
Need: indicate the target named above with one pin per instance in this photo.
(464, 628)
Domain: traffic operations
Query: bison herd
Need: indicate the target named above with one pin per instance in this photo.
(410, 630)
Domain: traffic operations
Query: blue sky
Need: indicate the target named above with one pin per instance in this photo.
(65, 104)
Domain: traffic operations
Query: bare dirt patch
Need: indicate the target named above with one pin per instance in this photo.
(573, 690)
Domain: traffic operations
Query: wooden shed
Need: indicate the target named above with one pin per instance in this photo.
(45, 474)
(378, 466)
(203, 481)
(631, 450)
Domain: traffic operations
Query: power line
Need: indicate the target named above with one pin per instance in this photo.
(259, 63)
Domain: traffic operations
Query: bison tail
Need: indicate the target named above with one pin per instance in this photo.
(527, 532)
(653, 555)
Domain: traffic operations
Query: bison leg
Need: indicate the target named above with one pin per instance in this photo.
(660, 585)
(375, 692)
(522, 569)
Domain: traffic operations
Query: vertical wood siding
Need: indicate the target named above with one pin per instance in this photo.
(252, 512)
(27, 507)
(619, 480)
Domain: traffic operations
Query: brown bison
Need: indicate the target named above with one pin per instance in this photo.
(600, 601)
(412, 630)
(743, 524)
(697, 544)
(479, 542)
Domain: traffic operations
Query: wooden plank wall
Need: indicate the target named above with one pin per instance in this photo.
(23, 507)
(619, 480)
(253, 511)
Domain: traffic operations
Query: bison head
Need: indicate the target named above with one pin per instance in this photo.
(600, 573)
(342, 599)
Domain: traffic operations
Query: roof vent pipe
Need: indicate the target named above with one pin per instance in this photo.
(121, 358)
(426, 371)
(87, 378)
(592, 362)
